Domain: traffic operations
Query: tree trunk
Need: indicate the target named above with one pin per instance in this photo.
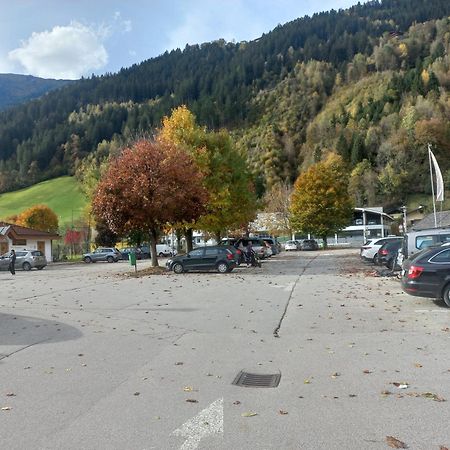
(154, 233)
(325, 243)
(179, 235)
(218, 236)
(188, 235)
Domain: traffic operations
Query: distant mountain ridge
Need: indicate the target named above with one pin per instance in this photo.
(16, 89)
(371, 83)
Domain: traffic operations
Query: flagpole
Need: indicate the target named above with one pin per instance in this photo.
(432, 186)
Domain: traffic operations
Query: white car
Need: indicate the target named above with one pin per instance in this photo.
(291, 246)
(369, 251)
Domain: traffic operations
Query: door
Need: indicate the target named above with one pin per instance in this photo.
(194, 259)
(4, 248)
(41, 246)
(210, 258)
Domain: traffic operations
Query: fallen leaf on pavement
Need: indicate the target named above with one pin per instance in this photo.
(283, 413)
(307, 382)
(418, 365)
(335, 375)
(6, 408)
(367, 371)
(191, 400)
(395, 443)
(401, 385)
(179, 363)
(441, 447)
(10, 394)
(249, 414)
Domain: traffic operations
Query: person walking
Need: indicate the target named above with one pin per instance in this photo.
(12, 262)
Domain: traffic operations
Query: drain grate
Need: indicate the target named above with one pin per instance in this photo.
(246, 379)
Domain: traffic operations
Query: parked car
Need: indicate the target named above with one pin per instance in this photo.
(309, 244)
(415, 241)
(25, 259)
(217, 257)
(161, 250)
(290, 246)
(427, 274)
(108, 254)
(369, 250)
(274, 245)
(258, 245)
(388, 254)
(127, 250)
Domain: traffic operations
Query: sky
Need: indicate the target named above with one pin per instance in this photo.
(68, 39)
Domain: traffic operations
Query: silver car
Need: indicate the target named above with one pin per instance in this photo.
(25, 259)
(108, 254)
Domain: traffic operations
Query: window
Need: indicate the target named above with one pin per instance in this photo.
(425, 241)
(37, 253)
(444, 238)
(442, 257)
(211, 251)
(19, 242)
(196, 253)
(20, 254)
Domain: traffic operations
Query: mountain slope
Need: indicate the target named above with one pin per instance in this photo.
(16, 89)
(268, 91)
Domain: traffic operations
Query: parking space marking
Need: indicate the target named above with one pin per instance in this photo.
(208, 421)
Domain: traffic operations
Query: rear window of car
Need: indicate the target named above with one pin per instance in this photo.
(37, 253)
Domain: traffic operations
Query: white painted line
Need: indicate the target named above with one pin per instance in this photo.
(208, 421)
(446, 311)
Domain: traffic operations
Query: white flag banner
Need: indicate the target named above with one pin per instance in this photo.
(439, 180)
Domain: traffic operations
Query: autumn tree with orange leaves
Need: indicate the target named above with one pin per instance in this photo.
(151, 185)
(38, 217)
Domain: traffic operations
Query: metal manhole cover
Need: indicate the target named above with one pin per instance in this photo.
(246, 379)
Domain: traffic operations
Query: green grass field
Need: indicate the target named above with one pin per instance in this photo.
(62, 195)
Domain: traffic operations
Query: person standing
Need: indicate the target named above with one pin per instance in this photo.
(12, 262)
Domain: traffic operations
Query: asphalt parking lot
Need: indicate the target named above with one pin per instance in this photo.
(92, 358)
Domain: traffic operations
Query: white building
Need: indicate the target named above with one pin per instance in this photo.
(21, 238)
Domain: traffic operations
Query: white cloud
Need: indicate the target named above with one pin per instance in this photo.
(64, 52)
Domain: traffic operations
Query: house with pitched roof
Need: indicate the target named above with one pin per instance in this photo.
(22, 238)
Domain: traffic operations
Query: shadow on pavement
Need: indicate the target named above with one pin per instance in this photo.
(24, 330)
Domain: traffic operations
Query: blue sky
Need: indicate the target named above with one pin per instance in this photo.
(74, 38)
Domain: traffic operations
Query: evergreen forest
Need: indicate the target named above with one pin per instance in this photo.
(371, 83)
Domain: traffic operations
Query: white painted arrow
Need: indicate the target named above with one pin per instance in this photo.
(208, 421)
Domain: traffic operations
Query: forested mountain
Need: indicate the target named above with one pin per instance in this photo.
(371, 82)
(16, 89)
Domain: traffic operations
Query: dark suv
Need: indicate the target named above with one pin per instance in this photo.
(218, 257)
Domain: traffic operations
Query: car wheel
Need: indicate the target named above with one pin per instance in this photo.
(26, 266)
(222, 267)
(375, 259)
(446, 295)
(87, 260)
(110, 259)
(177, 268)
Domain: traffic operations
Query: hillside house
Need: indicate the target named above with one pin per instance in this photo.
(19, 238)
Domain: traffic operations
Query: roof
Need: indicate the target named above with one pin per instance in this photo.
(442, 219)
(17, 232)
(375, 210)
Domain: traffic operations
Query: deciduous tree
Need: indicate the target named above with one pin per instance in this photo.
(150, 185)
(320, 203)
(39, 217)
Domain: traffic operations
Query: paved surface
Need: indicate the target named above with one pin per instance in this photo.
(93, 360)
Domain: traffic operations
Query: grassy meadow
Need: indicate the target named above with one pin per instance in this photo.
(62, 195)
